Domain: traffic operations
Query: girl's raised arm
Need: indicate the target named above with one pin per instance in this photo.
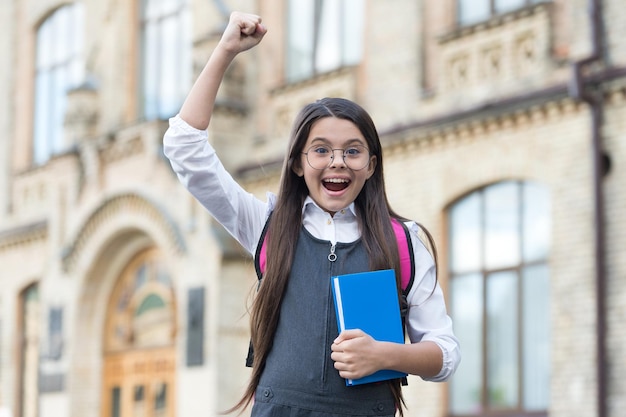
(243, 32)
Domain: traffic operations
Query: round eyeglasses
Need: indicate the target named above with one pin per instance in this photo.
(356, 157)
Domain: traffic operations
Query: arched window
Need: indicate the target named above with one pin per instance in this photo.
(59, 68)
(324, 35)
(499, 243)
(166, 56)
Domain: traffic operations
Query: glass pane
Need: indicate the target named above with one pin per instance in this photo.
(503, 6)
(30, 335)
(116, 402)
(353, 16)
(44, 45)
(160, 400)
(536, 338)
(76, 66)
(57, 110)
(328, 53)
(300, 39)
(169, 65)
(467, 309)
(169, 6)
(41, 149)
(151, 9)
(465, 253)
(76, 41)
(75, 72)
(502, 225)
(63, 30)
(502, 340)
(139, 401)
(185, 76)
(150, 70)
(537, 222)
(472, 11)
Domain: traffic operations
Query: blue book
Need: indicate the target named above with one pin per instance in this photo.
(369, 301)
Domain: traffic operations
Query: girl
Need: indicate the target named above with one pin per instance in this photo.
(331, 200)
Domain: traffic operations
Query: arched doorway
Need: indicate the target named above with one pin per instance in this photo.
(139, 349)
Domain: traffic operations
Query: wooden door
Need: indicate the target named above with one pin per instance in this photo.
(139, 353)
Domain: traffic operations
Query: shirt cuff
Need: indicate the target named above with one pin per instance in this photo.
(180, 129)
(450, 362)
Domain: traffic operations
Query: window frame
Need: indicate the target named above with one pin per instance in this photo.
(57, 70)
(483, 274)
(315, 63)
(151, 69)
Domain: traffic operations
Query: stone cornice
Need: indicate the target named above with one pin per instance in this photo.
(23, 234)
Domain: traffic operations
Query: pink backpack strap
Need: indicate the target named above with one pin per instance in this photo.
(405, 251)
(260, 257)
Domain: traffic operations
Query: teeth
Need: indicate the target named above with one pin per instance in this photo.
(336, 180)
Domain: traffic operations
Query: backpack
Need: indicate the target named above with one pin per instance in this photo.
(407, 267)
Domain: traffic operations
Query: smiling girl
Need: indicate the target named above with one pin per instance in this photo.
(331, 198)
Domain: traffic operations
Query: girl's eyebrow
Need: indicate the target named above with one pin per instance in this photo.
(347, 142)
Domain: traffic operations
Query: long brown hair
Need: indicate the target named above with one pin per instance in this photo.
(374, 217)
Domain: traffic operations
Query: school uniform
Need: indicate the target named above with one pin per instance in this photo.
(299, 377)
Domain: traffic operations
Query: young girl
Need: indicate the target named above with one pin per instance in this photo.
(331, 200)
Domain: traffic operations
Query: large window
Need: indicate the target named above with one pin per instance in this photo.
(166, 49)
(323, 35)
(59, 68)
(499, 245)
(474, 11)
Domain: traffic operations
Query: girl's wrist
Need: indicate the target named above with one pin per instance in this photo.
(225, 52)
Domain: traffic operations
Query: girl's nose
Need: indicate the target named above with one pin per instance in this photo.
(337, 162)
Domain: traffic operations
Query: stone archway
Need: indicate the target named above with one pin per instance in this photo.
(116, 234)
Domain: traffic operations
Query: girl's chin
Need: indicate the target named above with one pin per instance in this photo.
(332, 208)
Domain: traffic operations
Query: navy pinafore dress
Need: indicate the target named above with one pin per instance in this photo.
(299, 379)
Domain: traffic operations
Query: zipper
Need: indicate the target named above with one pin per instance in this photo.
(332, 256)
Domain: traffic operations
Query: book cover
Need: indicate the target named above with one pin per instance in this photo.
(369, 301)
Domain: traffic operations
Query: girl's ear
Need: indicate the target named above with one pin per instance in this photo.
(297, 168)
(372, 166)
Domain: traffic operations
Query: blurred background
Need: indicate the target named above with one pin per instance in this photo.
(504, 127)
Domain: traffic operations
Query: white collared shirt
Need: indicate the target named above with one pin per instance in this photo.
(342, 227)
(243, 215)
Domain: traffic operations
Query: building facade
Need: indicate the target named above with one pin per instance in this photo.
(504, 127)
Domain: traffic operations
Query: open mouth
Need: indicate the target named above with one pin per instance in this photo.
(336, 184)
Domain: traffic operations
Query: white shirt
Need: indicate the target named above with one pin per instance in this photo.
(243, 215)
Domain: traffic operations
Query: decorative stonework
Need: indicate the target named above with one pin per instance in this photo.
(126, 205)
(430, 136)
(81, 116)
(133, 140)
(484, 57)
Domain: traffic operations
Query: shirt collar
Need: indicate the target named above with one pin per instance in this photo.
(310, 204)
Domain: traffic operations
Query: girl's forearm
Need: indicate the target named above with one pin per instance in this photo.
(198, 106)
(424, 359)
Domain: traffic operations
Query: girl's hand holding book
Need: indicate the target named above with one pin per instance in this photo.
(354, 353)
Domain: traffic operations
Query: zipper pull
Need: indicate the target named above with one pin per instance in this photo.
(332, 256)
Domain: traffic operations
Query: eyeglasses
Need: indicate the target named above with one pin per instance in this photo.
(356, 157)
